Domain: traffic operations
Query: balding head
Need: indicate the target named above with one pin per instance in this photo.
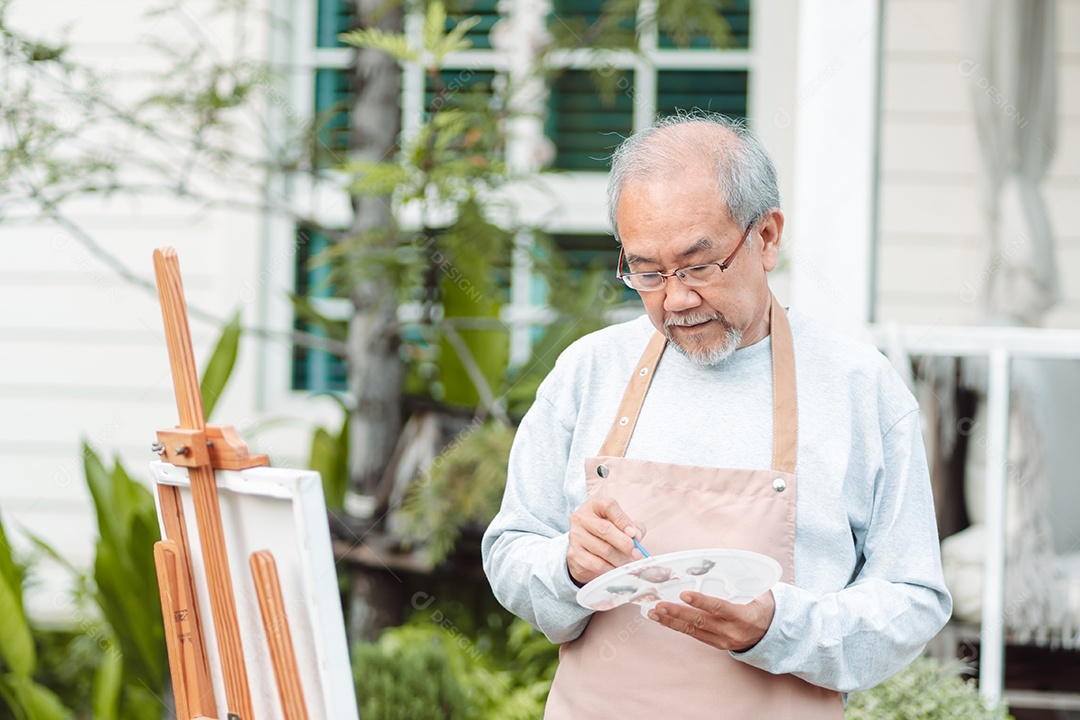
(699, 142)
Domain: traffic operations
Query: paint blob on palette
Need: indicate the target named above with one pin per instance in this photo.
(737, 576)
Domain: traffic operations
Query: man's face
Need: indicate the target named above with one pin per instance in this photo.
(671, 223)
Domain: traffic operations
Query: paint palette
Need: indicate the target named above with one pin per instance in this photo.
(737, 576)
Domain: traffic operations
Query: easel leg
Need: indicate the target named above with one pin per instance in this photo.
(276, 624)
(200, 691)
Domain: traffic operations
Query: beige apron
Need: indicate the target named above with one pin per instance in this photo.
(624, 665)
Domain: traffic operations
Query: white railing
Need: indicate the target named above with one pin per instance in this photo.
(999, 345)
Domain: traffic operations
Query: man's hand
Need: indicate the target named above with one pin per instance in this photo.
(717, 622)
(601, 539)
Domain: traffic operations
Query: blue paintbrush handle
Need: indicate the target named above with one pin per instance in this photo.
(638, 546)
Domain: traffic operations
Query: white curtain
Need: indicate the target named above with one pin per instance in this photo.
(1013, 73)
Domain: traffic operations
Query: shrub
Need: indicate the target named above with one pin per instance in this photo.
(406, 675)
(431, 669)
(926, 690)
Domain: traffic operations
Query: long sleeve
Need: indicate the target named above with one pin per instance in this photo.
(524, 548)
(858, 636)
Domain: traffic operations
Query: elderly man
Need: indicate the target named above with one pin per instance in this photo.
(762, 430)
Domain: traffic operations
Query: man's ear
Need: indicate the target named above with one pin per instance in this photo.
(771, 228)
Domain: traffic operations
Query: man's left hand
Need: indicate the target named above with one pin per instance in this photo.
(717, 622)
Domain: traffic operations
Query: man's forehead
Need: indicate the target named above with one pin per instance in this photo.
(687, 250)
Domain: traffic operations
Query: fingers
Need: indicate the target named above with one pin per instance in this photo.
(709, 604)
(695, 624)
(717, 622)
(608, 509)
(601, 539)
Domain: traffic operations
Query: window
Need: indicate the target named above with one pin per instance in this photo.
(312, 369)
(583, 125)
(587, 119)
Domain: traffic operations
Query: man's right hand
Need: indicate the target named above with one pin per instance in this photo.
(601, 539)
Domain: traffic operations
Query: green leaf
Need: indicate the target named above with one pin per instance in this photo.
(375, 178)
(330, 458)
(124, 568)
(100, 484)
(455, 40)
(10, 573)
(139, 702)
(324, 460)
(108, 680)
(344, 448)
(16, 640)
(217, 372)
(33, 701)
(396, 45)
(434, 25)
(684, 20)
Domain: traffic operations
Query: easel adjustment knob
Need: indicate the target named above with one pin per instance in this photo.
(183, 447)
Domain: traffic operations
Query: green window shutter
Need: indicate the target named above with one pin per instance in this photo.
(486, 10)
(334, 16)
(312, 369)
(585, 126)
(461, 86)
(333, 99)
(737, 14)
(571, 20)
(722, 91)
(582, 250)
(576, 10)
(593, 251)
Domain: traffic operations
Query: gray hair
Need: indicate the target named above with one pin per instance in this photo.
(745, 175)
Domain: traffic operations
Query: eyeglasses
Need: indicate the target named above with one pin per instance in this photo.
(693, 276)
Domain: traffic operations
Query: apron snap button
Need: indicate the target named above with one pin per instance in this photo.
(778, 484)
(643, 372)
(602, 471)
(624, 420)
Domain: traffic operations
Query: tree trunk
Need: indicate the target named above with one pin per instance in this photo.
(375, 368)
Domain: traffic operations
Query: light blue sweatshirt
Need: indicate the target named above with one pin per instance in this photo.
(869, 592)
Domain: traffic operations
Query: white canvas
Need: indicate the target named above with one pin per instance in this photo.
(281, 510)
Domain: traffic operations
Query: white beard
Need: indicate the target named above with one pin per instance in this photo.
(705, 356)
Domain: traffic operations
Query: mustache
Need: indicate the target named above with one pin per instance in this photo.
(691, 318)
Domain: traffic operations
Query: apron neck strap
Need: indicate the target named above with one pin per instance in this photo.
(784, 399)
(618, 438)
(785, 410)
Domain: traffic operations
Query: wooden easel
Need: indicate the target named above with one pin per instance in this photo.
(202, 449)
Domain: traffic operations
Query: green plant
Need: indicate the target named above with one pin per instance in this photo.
(405, 675)
(463, 488)
(432, 668)
(926, 690)
(23, 696)
(125, 580)
(220, 366)
(330, 458)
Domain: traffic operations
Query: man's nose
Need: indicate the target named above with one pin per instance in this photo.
(678, 297)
